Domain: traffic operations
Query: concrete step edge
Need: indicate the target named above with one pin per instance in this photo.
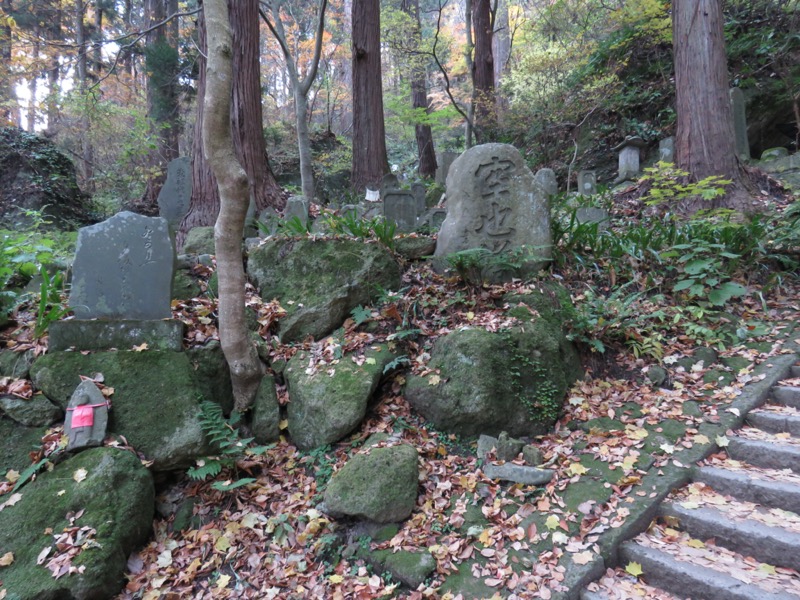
(771, 545)
(676, 577)
(787, 394)
(765, 454)
(774, 422)
(774, 494)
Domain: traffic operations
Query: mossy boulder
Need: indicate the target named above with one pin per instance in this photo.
(36, 175)
(116, 497)
(265, 422)
(486, 382)
(155, 404)
(199, 240)
(379, 485)
(319, 282)
(16, 444)
(329, 401)
(36, 411)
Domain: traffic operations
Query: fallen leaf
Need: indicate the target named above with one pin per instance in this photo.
(577, 468)
(141, 347)
(552, 522)
(695, 543)
(80, 475)
(223, 581)
(722, 441)
(434, 380)
(634, 568)
(768, 569)
(12, 476)
(6, 559)
(336, 579)
(582, 558)
(370, 361)
(11, 501)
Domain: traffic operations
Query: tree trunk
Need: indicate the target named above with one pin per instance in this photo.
(234, 192)
(304, 143)
(163, 67)
(246, 124)
(54, 73)
(419, 97)
(8, 96)
(483, 71)
(705, 144)
(501, 51)
(370, 163)
(81, 70)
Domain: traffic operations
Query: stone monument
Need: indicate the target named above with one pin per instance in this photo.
(495, 202)
(297, 206)
(444, 161)
(401, 208)
(547, 179)
(629, 151)
(666, 150)
(587, 183)
(739, 123)
(123, 269)
(87, 417)
(176, 193)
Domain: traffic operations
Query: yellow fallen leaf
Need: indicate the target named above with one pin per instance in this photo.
(11, 501)
(223, 581)
(222, 544)
(582, 558)
(485, 538)
(79, 475)
(695, 543)
(336, 579)
(552, 522)
(722, 441)
(634, 568)
(577, 468)
(141, 347)
(769, 569)
(3, 594)
(701, 439)
(284, 424)
(6, 559)
(434, 380)
(12, 476)
(470, 316)
(370, 361)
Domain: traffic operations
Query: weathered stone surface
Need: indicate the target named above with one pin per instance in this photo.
(175, 194)
(479, 390)
(185, 285)
(155, 404)
(587, 183)
(547, 179)
(773, 153)
(200, 240)
(401, 207)
(784, 168)
(495, 202)
(37, 411)
(15, 364)
(212, 374)
(123, 269)
(738, 108)
(518, 474)
(444, 161)
(329, 402)
(16, 443)
(36, 175)
(409, 568)
(666, 150)
(82, 334)
(86, 424)
(380, 485)
(297, 206)
(323, 279)
(265, 424)
(414, 248)
(116, 498)
(591, 214)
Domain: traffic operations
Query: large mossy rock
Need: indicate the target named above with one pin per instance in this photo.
(116, 496)
(513, 381)
(35, 175)
(155, 404)
(16, 444)
(330, 401)
(319, 282)
(379, 485)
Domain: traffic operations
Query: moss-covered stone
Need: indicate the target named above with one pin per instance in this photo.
(512, 381)
(409, 568)
(155, 404)
(15, 364)
(116, 497)
(16, 444)
(185, 285)
(320, 281)
(199, 240)
(37, 411)
(329, 402)
(212, 374)
(265, 423)
(415, 248)
(379, 485)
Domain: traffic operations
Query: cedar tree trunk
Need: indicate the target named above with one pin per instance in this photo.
(483, 71)
(369, 139)
(233, 183)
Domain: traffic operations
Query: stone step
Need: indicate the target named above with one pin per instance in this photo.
(776, 418)
(787, 394)
(771, 545)
(796, 371)
(765, 453)
(663, 571)
(746, 485)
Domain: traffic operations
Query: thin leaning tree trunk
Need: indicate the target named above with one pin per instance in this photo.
(245, 366)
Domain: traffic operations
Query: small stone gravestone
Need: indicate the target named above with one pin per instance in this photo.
(419, 191)
(547, 179)
(123, 269)
(495, 202)
(436, 217)
(270, 219)
(444, 160)
(297, 206)
(591, 214)
(774, 153)
(739, 123)
(587, 183)
(87, 417)
(176, 193)
(351, 211)
(389, 183)
(629, 158)
(666, 150)
(401, 207)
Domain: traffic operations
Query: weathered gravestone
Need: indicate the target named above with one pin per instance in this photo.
(629, 158)
(547, 179)
(87, 417)
(592, 214)
(418, 190)
(297, 206)
(389, 183)
(587, 183)
(402, 208)
(173, 200)
(495, 202)
(739, 123)
(444, 161)
(666, 150)
(123, 269)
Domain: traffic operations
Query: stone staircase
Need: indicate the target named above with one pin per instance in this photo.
(733, 533)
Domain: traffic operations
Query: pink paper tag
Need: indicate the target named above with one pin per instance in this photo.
(82, 416)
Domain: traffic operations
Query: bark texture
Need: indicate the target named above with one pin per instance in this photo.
(370, 163)
(483, 71)
(246, 123)
(705, 144)
(233, 184)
